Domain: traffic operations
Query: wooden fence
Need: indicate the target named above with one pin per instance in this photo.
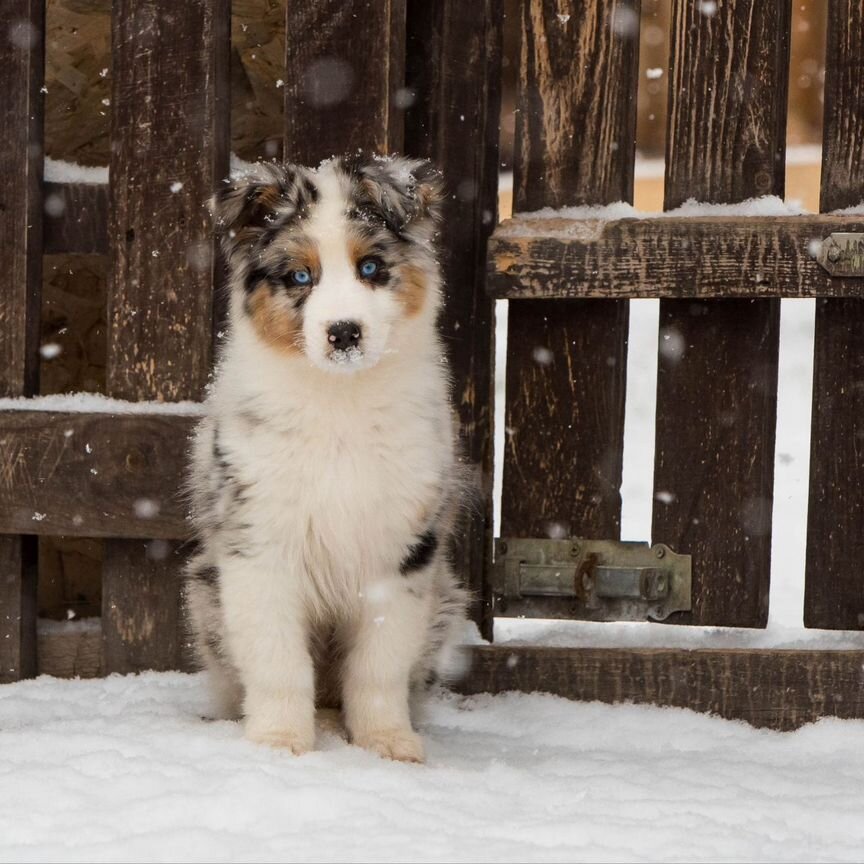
(720, 280)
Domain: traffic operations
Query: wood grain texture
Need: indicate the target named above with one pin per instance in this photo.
(687, 257)
(454, 68)
(17, 607)
(716, 389)
(566, 364)
(728, 80)
(345, 61)
(94, 475)
(843, 124)
(562, 453)
(767, 688)
(169, 151)
(22, 61)
(170, 135)
(70, 652)
(142, 614)
(76, 218)
(22, 64)
(576, 126)
(834, 595)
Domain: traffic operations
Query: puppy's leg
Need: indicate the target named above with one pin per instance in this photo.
(205, 618)
(388, 640)
(267, 636)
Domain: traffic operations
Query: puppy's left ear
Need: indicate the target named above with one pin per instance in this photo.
(427, 188)
(403, 192)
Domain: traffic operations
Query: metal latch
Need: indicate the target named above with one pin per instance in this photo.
(610, 580)
(842, 254)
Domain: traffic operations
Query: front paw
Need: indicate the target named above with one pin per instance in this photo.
(298, 741)
(403, 745)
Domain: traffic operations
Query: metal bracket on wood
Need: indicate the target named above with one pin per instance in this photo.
(842, 254)
(608, 579)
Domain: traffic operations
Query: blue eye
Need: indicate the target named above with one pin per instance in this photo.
(301, 277)
(369, 267)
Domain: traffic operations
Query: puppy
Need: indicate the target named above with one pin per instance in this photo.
(325, 479)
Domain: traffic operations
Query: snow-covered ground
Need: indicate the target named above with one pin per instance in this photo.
(125, 770)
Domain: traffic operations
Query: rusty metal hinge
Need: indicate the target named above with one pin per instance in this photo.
(612, 580)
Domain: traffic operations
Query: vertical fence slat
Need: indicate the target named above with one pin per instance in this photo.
(834, 595)
(141, 615)
(22, 63)
(717, 376)
(169, 152)
(454, 70)
(345, 60)
(566, 360)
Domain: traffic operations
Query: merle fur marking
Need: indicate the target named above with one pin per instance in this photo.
(420, 553)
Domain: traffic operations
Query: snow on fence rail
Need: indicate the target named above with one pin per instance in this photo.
(426, 78)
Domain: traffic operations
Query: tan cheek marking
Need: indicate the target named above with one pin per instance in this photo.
(279, 327)
(413, 288)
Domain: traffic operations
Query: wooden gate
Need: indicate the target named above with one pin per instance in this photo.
(424, 77)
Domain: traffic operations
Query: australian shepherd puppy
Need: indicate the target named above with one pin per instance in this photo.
(324, 477)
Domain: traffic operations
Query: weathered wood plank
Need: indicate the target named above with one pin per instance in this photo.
(170, 136)
(22, 61)
(767, 688)
(22, 64)
(169, 152)
(776, 689)
(697, 257)
(834, 595)
(76, 218)
(717, 371)
(566, 362)
(454, 68)
(345, 61)
(18, 580)
(143, 623)
(94, 475)
(842, 182)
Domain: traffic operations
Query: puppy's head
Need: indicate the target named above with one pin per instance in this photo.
(335, 263)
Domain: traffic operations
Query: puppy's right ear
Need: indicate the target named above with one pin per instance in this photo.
(244, 207)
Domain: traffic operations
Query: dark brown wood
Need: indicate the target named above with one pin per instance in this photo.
(170, 137)
(94, 475)
(17, 608)
(686, 257)
(566, 364)
(142, 625)
(454, 69)
(834, 596)
(562, 468)
(22, 61)
(22, 64)
(716, 390)
(767, 688)
(345, 61)
(76, 218)
(169, 152)
(576, 126)
(843, 123)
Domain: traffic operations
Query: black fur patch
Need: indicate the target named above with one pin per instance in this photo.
(420, 553)
(206, 575)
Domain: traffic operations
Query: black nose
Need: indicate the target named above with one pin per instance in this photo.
(343, 334)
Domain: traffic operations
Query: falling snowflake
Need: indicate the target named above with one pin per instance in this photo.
(50, 350)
